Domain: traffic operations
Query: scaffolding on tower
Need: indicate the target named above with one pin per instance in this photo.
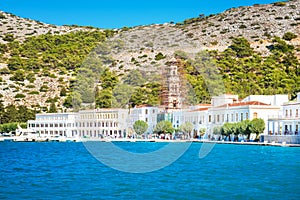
(173, 86)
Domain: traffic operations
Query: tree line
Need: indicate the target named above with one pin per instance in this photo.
(245, 127)
(238, 70)
(244, 71)
(11, 115)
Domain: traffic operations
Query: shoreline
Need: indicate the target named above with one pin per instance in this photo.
(193, 140)
(8, 139)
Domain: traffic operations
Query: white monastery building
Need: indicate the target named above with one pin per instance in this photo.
(100, 123)
(287, 122)
(54, 124)
(145, 113)
(227, 108)
(118, 123)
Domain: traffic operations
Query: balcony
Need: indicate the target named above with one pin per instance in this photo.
(283, 117)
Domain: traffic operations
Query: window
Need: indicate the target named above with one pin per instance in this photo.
(286, 113)
(296, 113)
(247, 116)
(255, 115)
(232, 119)
(291, 113)
(174, 103)
(237, 117)
(146, 119)
(146, 111)
(209, 118)
(218, 118)
(223, 118)
(242, 116)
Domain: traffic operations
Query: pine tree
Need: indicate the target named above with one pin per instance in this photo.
(52, 108)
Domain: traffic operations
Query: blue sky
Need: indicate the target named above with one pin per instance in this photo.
(117, 13)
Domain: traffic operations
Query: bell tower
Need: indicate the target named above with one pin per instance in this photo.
(171, 94)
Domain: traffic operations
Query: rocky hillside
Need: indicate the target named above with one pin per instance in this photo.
(38, 61)
(257, 23)
(21, 28)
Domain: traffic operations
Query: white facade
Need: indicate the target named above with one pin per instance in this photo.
(145, 113)
(240, 111)
(102, 123)
(224, 99)
(274, 100)
(98, 123)
(224, 108)
(118, 123)
(288, 122)
(54, 124)
(178, 118)
(197, 115)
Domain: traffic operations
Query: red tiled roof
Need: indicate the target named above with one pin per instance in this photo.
(249, 103)
(143, 105)
(199, 109)
(204, 104)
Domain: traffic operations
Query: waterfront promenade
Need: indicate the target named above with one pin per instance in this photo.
(192, 140)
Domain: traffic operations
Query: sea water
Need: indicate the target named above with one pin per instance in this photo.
(69, 171)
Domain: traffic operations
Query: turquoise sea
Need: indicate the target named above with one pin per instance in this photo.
(69, 171)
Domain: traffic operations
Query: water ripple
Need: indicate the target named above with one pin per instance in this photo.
(68, 171)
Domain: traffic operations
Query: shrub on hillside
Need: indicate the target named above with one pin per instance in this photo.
(8, 37)
(19, 96)
(289, 36)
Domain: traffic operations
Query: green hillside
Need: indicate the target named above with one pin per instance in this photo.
(63, 71)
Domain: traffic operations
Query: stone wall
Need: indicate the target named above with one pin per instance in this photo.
(289, 139)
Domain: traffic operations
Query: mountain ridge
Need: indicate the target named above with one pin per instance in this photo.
(142, 47)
